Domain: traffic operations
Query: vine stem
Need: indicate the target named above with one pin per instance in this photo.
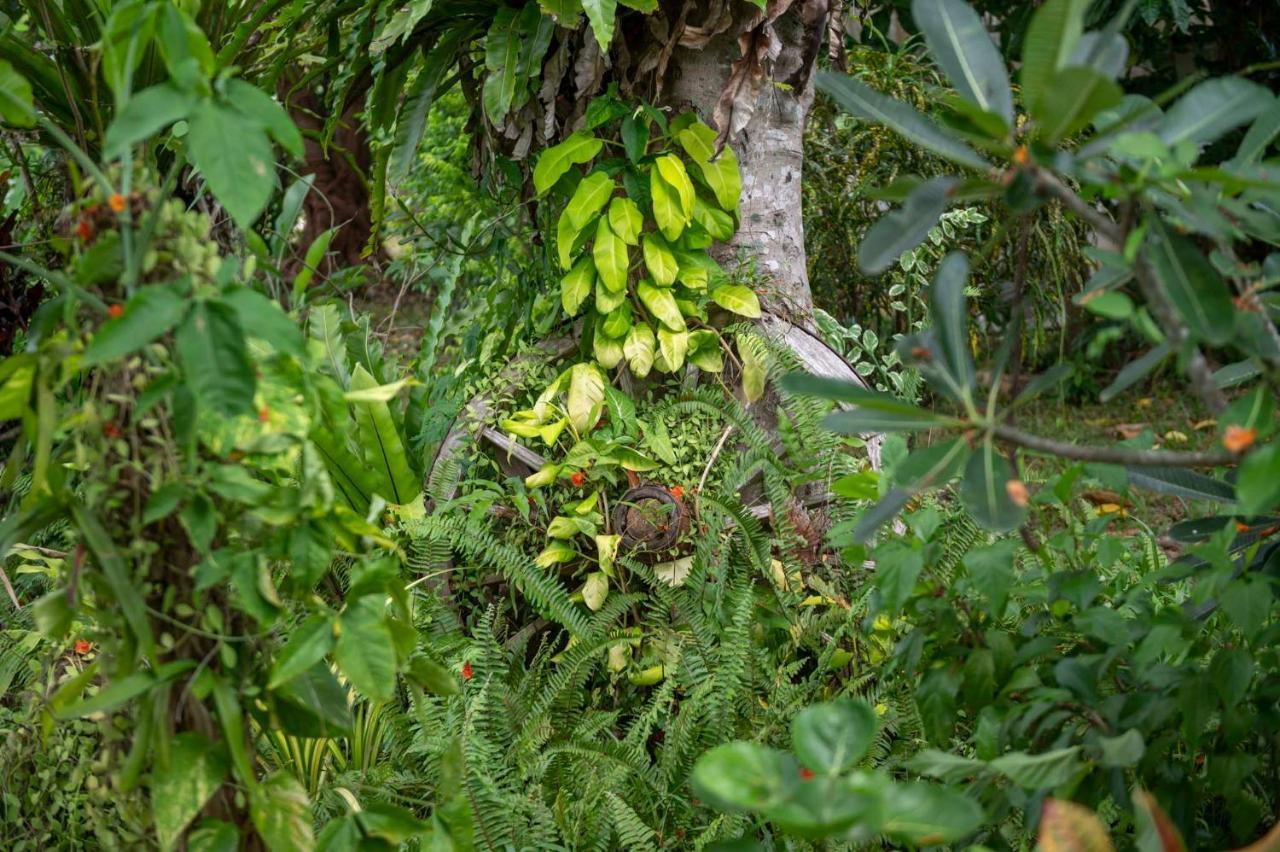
(1113, 455)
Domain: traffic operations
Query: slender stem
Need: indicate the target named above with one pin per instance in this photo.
(1197, 367)
(56, 278)
(1113, 455)
(77, 153)
(1047, 182)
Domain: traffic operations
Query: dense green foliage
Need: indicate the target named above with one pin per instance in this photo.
(589, 561)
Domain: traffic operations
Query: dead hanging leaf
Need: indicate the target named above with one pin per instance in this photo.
(718, 19)
(1068, 827)
(552, 76)
(1129, 431)
(667, 46)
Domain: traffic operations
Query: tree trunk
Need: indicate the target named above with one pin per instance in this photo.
(763, 104)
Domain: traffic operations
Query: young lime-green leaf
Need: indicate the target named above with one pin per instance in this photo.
(181, 786)
(586, 394)
(961, 46)
(626, 220)
(579, 148)
(865, 102)
(661, 304)
(590, 198)
(546, 475)
(639, 349)
(668, 211)
(607, 551)
(555, 553)
(753, 369)
(629, 459)
(722, 175)
(576, 285)
(607, 351)
(717, 223)
(617, 322)
(673, 345)
(611, 257)
(595, 590)
(673, 173)
(660, 260)
(1051, 39)
(606, 299)
(738, 298)
(569, 240)
(602, 16)
(743, 776)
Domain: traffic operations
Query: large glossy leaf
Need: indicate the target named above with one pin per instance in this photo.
(145, 114)
(1104, 52)
(181, 786)
(927, 815)
(743, 776)
(659, 302)
(721, 173)
(986, 490)
(589, 198)
(586, 395)
(738, 298)
(151, 312)
(1039, 771)
(15, 97)
(380, 439)
(951, 321)
(659, 260)
(626, 220)
(1192, 284)
(612, 259)
(1051, 39)
(1074, 97)
(864, 102)
(639, 349)
(365, 651)
(1213, 108)
(668, 208)
(265, 111)
(832, 737)
(576, 285)
(581, 147)
(966, 53)
(308, 644)
(601, 14)
(234, 156)
(215, 360)
(906, 227)
(672, 347)
(282, 814)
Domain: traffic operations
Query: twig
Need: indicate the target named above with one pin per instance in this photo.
(1047, 182)
(715, 452)
(1113, 455)
(8, 587)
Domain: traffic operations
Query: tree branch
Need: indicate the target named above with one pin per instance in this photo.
(1113, 455)
(1048, 183)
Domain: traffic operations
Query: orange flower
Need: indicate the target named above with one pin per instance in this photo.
(466, 670)
(577, 479)
(115, 311)
(1237, 439)
(1017, 492)
(116, 202)
(1020, 156)
(111, 430)
(83, 646)
(1241, 527)
(676, 491)
(264, 414)
(805, 773)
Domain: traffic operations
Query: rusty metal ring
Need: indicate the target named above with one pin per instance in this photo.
(633, 518)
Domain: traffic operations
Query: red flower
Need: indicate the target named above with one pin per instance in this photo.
(111, 430)
(83, 646)
(577, 479)
(805, 773)
(676, 491)
(466, 670)
(84, 230)
(115, 311)
(264, 414)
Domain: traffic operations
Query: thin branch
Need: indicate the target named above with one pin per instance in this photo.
(1197, 367)
(1047, 182)
(1114, 455)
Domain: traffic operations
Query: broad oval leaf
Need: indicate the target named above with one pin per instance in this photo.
(181, 787)
(585, 397)
(215, 360)
(612, 259)
(1192, 284)
(673, 346)
(659, 260)
(589, 198)
(365, 650)
(988, 492)
(864, 102)
(1074, 97)
(738, 298)
(576, 285)
(639, 349)
(963, 48)
(626, 220)
(234, 156)
(579, 148)
(832, 737)
(906, 227)
(1213, 108)
(661, 304)
(744, 776)
(149, 313)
